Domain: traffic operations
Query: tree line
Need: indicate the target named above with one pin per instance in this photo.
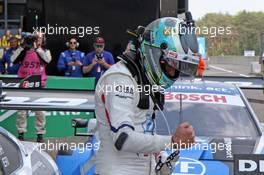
(231, 34)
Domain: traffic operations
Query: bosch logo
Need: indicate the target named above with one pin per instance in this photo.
(185, 166)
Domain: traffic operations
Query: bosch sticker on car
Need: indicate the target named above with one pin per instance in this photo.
(204, 98)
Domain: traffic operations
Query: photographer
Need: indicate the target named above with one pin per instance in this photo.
(33, 58)
(71, 60)
(98, 61)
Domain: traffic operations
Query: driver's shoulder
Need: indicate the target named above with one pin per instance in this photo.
(116, 73)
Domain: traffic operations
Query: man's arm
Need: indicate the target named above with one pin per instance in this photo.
(88, 65)
(44, 55)
(104, 63)
(87, 69)
(61, 65)
(119, 110)
(108, 61)
(18, 55)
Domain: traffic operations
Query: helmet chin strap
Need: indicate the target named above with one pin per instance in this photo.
(131, 61)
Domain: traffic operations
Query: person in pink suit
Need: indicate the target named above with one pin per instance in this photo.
(33, 59)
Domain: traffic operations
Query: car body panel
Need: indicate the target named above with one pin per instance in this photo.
(203, 158)
(31, 159)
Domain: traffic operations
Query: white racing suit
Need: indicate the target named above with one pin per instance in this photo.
(126, 133)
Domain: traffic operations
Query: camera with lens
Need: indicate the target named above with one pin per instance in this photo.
(29, 39)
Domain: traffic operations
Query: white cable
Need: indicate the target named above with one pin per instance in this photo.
(166, 121)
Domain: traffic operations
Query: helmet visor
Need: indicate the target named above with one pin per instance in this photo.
(185, 64)
(170, 62)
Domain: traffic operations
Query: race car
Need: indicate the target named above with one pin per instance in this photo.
(224, 123)
(226, 128)
(23, 158)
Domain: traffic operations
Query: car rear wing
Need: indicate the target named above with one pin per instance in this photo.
(52, 82)
(48, 100)
(60, 94)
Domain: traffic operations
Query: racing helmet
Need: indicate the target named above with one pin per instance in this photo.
(162, 53)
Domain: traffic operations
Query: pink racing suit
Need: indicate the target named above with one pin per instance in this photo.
(32, 64)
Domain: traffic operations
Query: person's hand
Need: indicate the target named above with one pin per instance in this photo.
(183, 136)
(94, 62)
(101, 61)
(35, 45)
(78, 63)
(39, 46)
(71, 63)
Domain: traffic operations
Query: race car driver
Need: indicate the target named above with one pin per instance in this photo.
(125, 114)
(33, 59)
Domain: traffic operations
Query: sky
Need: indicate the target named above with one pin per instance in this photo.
(200, 7)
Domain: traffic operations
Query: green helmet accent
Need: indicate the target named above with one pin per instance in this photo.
(160, 36)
